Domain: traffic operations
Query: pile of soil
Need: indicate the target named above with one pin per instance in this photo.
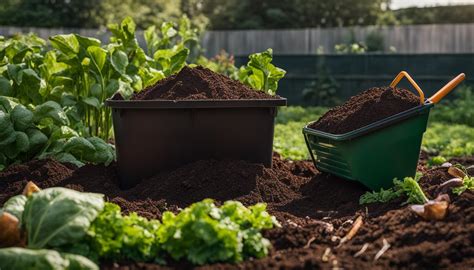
(315, 210)
(366, 108)
(199, 83)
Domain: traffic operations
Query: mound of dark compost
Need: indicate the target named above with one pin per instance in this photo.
(315, 210)
(366, 108)
(197, 84)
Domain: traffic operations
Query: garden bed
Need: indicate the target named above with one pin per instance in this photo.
(315, 209)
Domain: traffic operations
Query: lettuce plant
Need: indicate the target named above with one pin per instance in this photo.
(82, 223)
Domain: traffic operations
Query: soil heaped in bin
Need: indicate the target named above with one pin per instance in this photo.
(197, 84)
(366, 108)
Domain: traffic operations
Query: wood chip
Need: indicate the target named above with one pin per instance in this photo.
(362, 250)
(30, 188)
(355, 228)
(456, 172)
(384, 248)
(326, 255)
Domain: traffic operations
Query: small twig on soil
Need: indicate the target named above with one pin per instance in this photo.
(349, 221)
(311, 240)
(355, 227)
(384, 248)
(326, 255)
(329, 228)
(292, 223)
(362, 250)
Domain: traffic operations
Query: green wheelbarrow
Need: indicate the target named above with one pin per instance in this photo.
(377, 153)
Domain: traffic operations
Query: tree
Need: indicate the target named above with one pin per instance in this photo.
(250, 14)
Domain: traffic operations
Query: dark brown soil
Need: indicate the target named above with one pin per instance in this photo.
(199, 83)
(315, 210)
(366, 108)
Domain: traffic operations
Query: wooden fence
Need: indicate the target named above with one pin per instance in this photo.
(454, 38)
(440, 38)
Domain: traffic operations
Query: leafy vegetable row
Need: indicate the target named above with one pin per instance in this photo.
(80, 73)
(72, 222)
(42, 131)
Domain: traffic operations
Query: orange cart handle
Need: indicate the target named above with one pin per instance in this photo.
(415, 85)
(447, 88)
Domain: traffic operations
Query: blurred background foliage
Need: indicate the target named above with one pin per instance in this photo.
(225, 15)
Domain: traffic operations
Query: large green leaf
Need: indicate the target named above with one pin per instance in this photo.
(51, 110)
(104, 153)
(30, 86)
(55, 217)
(5, 87)
(7, 104)
(119, 61)
(91, 101)
(37, 139)
(15, 206)
(98, 57)
(14, 73)
(28, 259)
(178, 61)
(67, 44)
(86, 42)
(7, 133)
(79, 147)
(21, 117)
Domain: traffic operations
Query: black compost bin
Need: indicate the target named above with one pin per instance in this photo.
(152, 136)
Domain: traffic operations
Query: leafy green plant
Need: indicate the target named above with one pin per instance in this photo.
(115, 237)
(260, 73)
(42, 131)
(449, 140)
(29, 259)
(457, 110)
(467, 184)
(436, 161)
(82, 223)
(204, 233)
(56, 217)
(408, 187)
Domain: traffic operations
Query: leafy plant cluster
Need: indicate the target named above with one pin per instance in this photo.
(259, 73)
(408, 187)
(74, 75)
(80, 73)
(72, 222)
(448, 140)
(42, 131)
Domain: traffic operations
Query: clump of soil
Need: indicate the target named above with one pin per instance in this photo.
(315, 210)
(199, 83)
(366, 108)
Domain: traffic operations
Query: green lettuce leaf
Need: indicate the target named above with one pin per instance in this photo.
(58, 216)
(27, 259)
